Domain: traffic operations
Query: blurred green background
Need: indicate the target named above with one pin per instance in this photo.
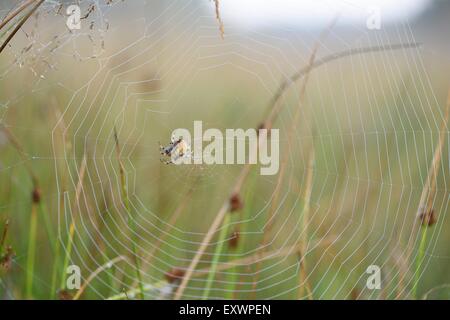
(372, 122)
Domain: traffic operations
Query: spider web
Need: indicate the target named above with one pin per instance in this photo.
(144, 68)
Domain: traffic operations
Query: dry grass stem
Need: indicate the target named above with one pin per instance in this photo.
(15, 12)
(274, 106)
(4, 234)
(96, 272)
(20, 25)
(177, 274)
(71, 234)
(219, 19)
(20, 150)
(130, 216)
(303, 276)
(425, 212)
(263, 256)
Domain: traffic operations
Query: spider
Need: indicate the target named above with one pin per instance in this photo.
(177, 149)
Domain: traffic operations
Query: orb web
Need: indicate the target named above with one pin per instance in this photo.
(371, 122)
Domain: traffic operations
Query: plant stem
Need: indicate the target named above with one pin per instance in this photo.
(13, 14)
(419, 260)
(130, 218)
(55, 271)
(67, 256)
(106, 266)
(20, 25)
(248, 201)
(303, 282)
(217, 254)
(132, 226)
(43, 212)
(4, 233)
(133, 292)
(31, 252)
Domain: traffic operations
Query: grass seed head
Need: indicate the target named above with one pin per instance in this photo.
(64, 295)
(36, 195)
(174, 275)
(263, 125)
(236, 203)
(427, 217)
(7, 258)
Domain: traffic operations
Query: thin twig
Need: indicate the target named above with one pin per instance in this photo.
(216, 257)
(96, 272)
(14, 13)
(262, 256)
(304, 232)
(443, 286)
(4, 233)
(274, 107)
(219, 19)
(425, 209)
(20, 150)
(70, 236)
(130, 217)
(20, 24)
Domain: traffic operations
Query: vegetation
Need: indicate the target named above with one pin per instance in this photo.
(362, 179)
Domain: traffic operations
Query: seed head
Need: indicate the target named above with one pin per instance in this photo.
(7, 258)
(64, 295)
(174, 275)
(263, 125)
(36, 195)
(427, 217)
(236, 203)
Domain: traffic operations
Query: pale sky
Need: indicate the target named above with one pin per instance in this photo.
(260, 13)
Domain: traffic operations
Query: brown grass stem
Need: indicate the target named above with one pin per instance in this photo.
(219, 18)
(71, 234)
(15, 12)
(96, 272)
(425, 210)
(303, 278)
(263, 256)
(4, 234)
(20, 25)
(274, 106)
(130, 217)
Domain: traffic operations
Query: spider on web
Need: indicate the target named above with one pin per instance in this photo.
(177, 149)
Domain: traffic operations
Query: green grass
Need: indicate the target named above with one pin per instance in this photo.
(31, 253)
(130, 217)
(217, 254)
